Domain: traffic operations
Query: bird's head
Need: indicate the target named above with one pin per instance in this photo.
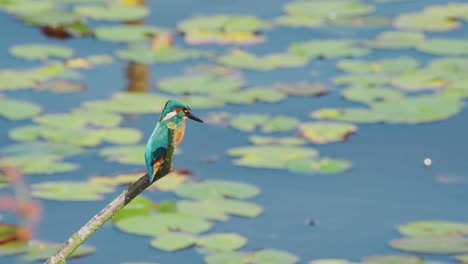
(175, 109)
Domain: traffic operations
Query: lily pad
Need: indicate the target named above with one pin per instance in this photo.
(33, 164)
(248, 122)
(173, 241)
(274, 157)
(79, 118)
(158, 224)
(217, 189)
(7, 232)
(244, 60)
(69, 191)
(39, 250)
(422, 228)
(17, 109)
(328, 9)
(138, 206)
(324, 165)
(393, 65)
(222, 241)
(26, 79)
(129, 103)
(432, 244)
(445, 46)
(164, 55)
(41, 149)
(303, 89)
(53, 18)
(397, 259)
(280, 123)
(330, 261)
(372, 94)
(285, 141)
(199, 84)
(396, 40)
(418, 80)
(328, 48)
(251, 95)
(126, 33)
(364, 80)
(41, 51)
(326, 132)
(113, 12)
(226, 257)
(132, 155)
(218, 209)
(274, 256)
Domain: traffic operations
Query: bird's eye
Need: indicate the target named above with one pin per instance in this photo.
(186, 111)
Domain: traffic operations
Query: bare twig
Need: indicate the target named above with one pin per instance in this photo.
(117, 204)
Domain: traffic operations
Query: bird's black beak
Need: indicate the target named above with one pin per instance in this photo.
(189, 115)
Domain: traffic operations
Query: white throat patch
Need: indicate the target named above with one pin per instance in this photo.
(169, 116)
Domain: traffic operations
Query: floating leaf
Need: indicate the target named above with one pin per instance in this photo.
(302, 89)
(140, 205)
(129, 103)
(421, 228)
(124, 154)
(13, 248)
(432, 244)
(328, 9)
(445, 46)
(254, 94)
(170, 182)
(113, 12)
(40, 51)
(330, 261)
(372, 94)
(154, 225)
(217, 189)
(274, 157)
(42, 164)
(329, 48)
(69, 191)
(279, 124)
(173, 241)
(418, 80)
(203, 84)
(43, 250)
(24, 79)
(248, 122)
(364, 80)
(59, 86)
(241, 59)
(17, 109)
(274, 256)
(393, 65)
(395, 259)
(226, 257)
(126, 33)
(462, 258)
(8, 233)
(41, 149)
(52, 18)
(163, 55)
(325, 132)
(218, 209)
(80, 118)
(324, 165)
(286, 141)
(396, 40)
(222, 241)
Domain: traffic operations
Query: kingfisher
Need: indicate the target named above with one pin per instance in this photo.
(156, 147)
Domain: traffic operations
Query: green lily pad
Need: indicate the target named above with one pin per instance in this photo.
(126, 33)
(33, 164)
(222, 241)
(364, 80)
(396, 40)
(132, 155)
(17, 109)
(253, 94)
(330, 261)
(432, 244)
(41, 51)
(24, 79)
(60, 86)
(51, 18)
(244, 60)
(138, 206)
(418, 80)
(372, 94)
(397, 259)
(218, 209)
(325, 132)
(217, 189)
(328, 48)
(164, 55)
(129, 103)
(173, 241)
(41, 149)
(328, 9)
(69, 191)
(445, 46)
(448, 68)
(462, 258)
(43, 250)
(222, 29)
(421, 228)
(393, 65)
(13, 248)
(79, 118)
(324, 165)
(413, 110)
(113, 12)
(285, 141)
(7, 232)
(303, 89)
(274, 157)
(199, 84)
(248, 122)
(158, 224)
(279, 124)
(19, 7)
(226, 257)
(274, 256)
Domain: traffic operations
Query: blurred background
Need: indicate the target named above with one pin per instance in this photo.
(334, 130)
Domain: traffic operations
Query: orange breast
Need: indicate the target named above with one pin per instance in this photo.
(180, 133)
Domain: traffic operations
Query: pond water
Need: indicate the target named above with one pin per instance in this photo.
(349, 215)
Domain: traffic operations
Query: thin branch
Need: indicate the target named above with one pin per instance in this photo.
(117, 204)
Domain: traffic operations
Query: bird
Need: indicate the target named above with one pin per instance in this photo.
(156, 146)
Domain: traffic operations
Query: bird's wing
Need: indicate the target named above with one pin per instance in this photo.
(157, 154)
(157, 144)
